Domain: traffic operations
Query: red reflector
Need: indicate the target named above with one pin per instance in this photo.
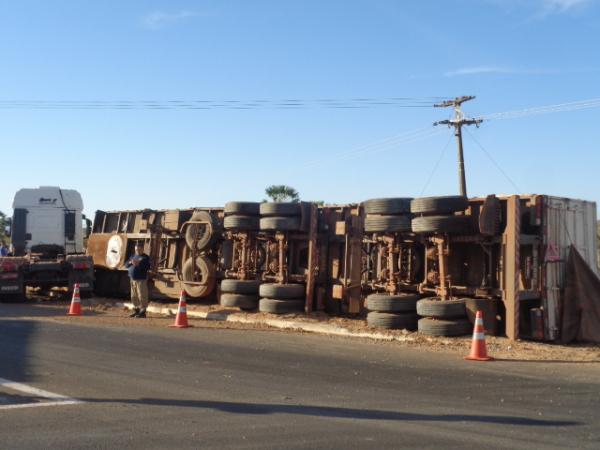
(7, 266)
(81, 265)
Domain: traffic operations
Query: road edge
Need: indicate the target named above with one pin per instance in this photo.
(326, 329)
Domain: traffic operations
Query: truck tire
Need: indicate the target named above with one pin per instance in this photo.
(442, 224)
(441, 309)
(392, 303)
(438, 327)
(280, 209)
(439, 205)
(387, 206)
(240, 286)
(280, 223)
(246, 302)
(387, 224)
(282, 291)
(202, 271)
(239, 222)
(242, 208)
(207, 235)
(280, 306)
(404, 321)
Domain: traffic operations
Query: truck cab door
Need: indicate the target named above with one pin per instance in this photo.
(19, 231)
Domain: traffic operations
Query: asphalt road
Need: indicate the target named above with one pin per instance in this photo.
(155, 387)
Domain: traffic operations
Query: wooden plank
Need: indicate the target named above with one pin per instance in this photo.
(335, 262)
(340, 228)
(337, 291)
(512, 269)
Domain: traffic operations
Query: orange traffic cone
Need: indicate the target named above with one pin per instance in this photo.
(181, 317)
(478, 349)
(75, 309)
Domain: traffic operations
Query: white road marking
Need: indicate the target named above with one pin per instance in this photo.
(56, 399)
(35, 405)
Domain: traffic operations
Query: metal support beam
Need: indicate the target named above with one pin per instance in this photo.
(313, 259)
(443, 251)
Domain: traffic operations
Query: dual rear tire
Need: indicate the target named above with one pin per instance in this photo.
(241, 294)
(443, 317)
(241, 216)
(282, 298)
(280, 216)
(392, 311)
(433, 215)
(387, 215)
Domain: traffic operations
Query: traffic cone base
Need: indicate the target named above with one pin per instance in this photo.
(181, 317)
(75, 309)
(478, 347)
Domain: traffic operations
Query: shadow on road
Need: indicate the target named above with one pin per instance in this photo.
(11, 310)
(335, 412)
(17, 337)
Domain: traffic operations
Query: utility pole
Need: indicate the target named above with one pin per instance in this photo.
(457, 122)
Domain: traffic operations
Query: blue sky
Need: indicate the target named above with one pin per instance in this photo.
(511, 54)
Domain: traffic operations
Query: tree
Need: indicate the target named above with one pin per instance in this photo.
(4, 222)
(282, 193)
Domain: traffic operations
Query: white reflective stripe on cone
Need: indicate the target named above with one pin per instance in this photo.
(479, 336)
(478, 322)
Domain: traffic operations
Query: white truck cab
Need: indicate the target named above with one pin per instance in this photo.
(47, 220)
(47, 235)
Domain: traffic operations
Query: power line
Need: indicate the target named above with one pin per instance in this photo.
(538, 110)
(435, 167)
(423, 133)
(494, 162)
(200, 104)
(370, 146)
(376, 146)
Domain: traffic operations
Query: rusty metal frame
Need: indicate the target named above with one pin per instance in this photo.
(246, 250)
(444, 290)
(396, 250)
(313, 259)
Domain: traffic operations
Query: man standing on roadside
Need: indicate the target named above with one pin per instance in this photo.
(138, 266)
(3, 249)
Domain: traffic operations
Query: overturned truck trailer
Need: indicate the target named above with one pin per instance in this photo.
(184, 248)
(505, 255)
(194, 249)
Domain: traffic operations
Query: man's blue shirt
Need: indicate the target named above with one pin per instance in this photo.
(139, 272)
